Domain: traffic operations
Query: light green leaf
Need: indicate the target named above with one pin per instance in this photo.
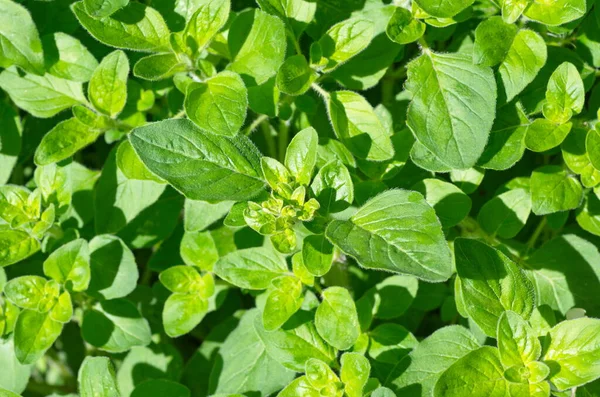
(451, 205)
(358, 127)
(42, 96)
(556, 12)
(103, 8)
(493, 40)
(199, 249)
(565, 94)
(395, 231)
(301, 155)
(131, 166)
(517, 343)
(295, 76)
(490, 284)
(96, 377)
(444, 9)
(588, 215)
(336, 318)
(19, 39)
(14, 375)
(34, 334)
(201, 165)
(298, 342)
(205, 23)
(251, 268)
(115, 326)
(383, 392)
(283, 300)
(553, 190)
(158, 67)
(257, 43)
(198, 215)
(389, 343)
(63, 308)
(512, 9)
(417, 373)
(182, 312)
(573, 353)
(70, 262)
(354, 373)
(543, 134)
(113, 268)
(345, 40)
(26, 292)
(296, 13)
(317, 254)
(333, 187)
(134, 27)
(218, 104)
(67, 58)
(577, 159)
(10, 141)
(64, 140)
(403, 28)
(452, 108)
(505, 214)
(524, 60)
(16, 245)
(592, 146)
(107, 89)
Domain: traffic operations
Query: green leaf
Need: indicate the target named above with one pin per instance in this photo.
(201, 165)
(493, 40)
(389, 343)
(450, 117)
(403, 28)
(573, 352)
(34, 334)
(333, 187)
(71, 262)
(295, 343)
(421, 369)
(251, 268)
(42, 96)
(556, 12)
(283, 300)
(505, 214)
(64, 140)
(19, 39)
(354, 373)
(295, 76)
(553, 190)
(486, 380)
(26, 292)
(107, 89)
(588, 215)
(388, 299)
(443, 9)
(296, 13)
(158, 66)
(255, 371)
(565, 93)
(317, 254)
(134, 27)
(63, 308)
(160, 387)
(517, 343)
(198, 215)
(336, 318)
(199, 249)
(451, 205)
(301, 155)
(113, 268)
(14, 376)
(10, 141)
(395, 231)
(358, 127)
(577, 159)
(115, 326)
(257, 45)
(16, 245)
(543, 134)
(345, 40)
(182, 312)
(131, 166)
(525, 58)
(103, 8)
(490, 284)
(205, 23)
(383, 392)
(592, 145)
(97, 377)
(67, 58)
(512, 9)
(218, 104)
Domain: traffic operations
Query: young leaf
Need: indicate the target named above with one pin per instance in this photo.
(565, 91)
(556, 12)
(517, 344)
(333, 187)
(135, 27)
(403, 28)
(354, 373)
(295, 76)
(493, 40)
(71, 262)
(285, 298)
(16, 245)
(97, 377)
(553, 190)
(358, 127)
(198, 249)
(206, 22)
(345, 40)
(42, 96)
(26, 292)
(158, 66)
(182, 312)
(107, 89)
(388, 233)
(252, 268)
(336, 318)
(201, 165)
(490, 284)
(592, 146)
(218, 104)
(443, 9)
(34, 334)
(301, 155)
(19, 39)
(64, 140)
(450, 117)
(544, 135)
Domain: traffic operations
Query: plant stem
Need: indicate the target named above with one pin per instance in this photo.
(257, 121)
(282, 139)
(320, 90)
(269, 140)
(536, 234)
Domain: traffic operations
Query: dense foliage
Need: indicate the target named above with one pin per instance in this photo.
(299, 198)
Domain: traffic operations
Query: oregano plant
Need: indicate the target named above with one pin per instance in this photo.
(299, 198)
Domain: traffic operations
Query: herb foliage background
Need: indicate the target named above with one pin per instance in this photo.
(299, 198)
